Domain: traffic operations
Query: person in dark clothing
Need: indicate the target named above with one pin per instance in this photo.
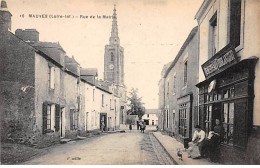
(215, 141)
(130, 127)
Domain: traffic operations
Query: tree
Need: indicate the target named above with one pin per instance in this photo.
(135, 103)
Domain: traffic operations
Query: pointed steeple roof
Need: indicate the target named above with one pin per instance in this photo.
(114, 32)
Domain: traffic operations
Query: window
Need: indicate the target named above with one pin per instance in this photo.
(185, 73)
(103, 100)
(51, 118)
(112, 56)
(213, 36)
(208, 120)
(73, 119)
(183, 122)
(235, 22)
(48, 117)
(228, 122)
(229, 92)
(147, 115)
(51, 77)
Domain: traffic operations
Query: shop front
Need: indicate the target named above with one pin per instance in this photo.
(185, 117)
(228, 94)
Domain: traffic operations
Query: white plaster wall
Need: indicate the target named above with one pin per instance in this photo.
(252, 48)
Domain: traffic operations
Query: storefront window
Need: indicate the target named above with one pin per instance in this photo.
(228, 122)
(232, 92)
(208, 119)
(182, 122)
(226, 93)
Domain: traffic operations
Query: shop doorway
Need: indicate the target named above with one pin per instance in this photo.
(103, 121)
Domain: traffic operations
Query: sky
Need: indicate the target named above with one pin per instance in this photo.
(151, 32)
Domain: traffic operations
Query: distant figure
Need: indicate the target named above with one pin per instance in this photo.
(142, 127)
(102, 126)
(137, 124)
(179, 154)
(130, 127)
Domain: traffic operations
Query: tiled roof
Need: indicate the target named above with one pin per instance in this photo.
(89, 72)
(51, 49)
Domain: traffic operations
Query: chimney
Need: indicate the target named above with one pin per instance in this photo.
(31, 35)
(5, 17)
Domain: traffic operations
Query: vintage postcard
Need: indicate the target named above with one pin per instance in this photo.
(130, 82)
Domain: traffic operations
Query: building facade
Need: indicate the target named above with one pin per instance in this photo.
(151, 117)
(229, 76)
(180, 93)
(46, 96)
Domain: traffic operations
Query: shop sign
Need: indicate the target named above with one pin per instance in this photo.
(220, 61)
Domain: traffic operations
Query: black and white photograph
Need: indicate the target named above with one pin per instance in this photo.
(130, 82)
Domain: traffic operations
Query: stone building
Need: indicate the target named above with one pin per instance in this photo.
(44, 95)
(151, 116)
(114, 66)
(229, 76)
(180, 93)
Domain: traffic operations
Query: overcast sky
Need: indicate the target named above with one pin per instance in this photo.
(151, 32)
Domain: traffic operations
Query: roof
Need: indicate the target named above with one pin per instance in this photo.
(202, 9)
(151, 111)
(189, 38)
(49, 45)
(53, 50)
(89, 72)
(72, 65)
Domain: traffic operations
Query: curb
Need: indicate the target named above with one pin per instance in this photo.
(170, 156)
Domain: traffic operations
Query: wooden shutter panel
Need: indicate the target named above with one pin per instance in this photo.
(57, 117)
(44, 118)
(71, 118)
(240, 123)
(235, 21)
(202, 116)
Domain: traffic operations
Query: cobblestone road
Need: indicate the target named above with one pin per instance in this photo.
(133, 148)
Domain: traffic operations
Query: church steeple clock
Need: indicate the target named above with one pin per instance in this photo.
(114, 56)
(114, 66)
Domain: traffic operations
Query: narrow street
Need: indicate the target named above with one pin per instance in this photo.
(130, 148)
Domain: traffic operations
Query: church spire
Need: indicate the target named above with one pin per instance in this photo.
(114, 39)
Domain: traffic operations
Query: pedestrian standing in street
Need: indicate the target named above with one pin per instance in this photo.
(130, 127)
(141, 126)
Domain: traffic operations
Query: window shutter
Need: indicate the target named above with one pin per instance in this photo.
(240, 123)
(202, 117)
(57, 117)
(71, 118)
(235, 21)
(44, 118)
